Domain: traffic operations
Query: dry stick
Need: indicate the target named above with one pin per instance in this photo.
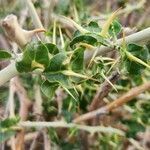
(103, 91)
(116, 103)
(141, 36)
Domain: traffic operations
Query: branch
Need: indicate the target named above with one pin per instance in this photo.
(60, 124)
(116, 103)
(7, 73)
(128, 96)
(141, 36)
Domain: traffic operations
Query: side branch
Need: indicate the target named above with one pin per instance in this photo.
(139, 37)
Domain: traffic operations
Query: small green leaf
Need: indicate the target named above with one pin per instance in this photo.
(68, 116)
(56, 62)
(5, 55)
(115, 28)
(138, 51)
(93, 27)
(58, 77)
(52, 48)
(89, 38)
(133, 127)
(49, 88)
(7, 123)
(83, 38)
(34, 56)
(41, 54)
(132, 66)
(77, 59)
(5, 128)
(6, 135)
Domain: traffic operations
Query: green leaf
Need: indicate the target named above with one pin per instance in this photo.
(7, 123)
(25, 64)
(5, 128)
(77, 59)
(5, 55)
(138, 51)
(6, 135)
(34, 56)
(135, 68)
(52, 48)
(115, 28)
(49, 88)
(83, 38)
(93, 27)
(133, 127)
(68, 116)
(56, 62)
(58, 77)
(89, 38)
(41, 54)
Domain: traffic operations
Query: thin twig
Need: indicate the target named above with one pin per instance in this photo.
(116, 103)
(128, 96)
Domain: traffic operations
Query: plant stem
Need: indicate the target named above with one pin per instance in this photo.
(7, 73)
(139, 37)
(61, 124)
